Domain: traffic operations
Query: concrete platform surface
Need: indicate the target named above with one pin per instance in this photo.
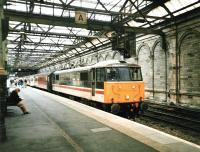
(57, 124)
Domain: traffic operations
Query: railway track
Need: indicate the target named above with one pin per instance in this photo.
(185, 118)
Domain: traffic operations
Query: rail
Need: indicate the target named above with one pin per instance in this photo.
(186, 118)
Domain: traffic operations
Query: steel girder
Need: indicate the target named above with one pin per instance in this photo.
(70, 22)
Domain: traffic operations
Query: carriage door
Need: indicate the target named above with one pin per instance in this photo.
(49, 81)
(93, 76)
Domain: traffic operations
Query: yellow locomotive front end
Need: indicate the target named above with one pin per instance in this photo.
(123, 89)
(123, 92)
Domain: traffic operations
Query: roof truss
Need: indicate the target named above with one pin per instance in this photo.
(38, 39)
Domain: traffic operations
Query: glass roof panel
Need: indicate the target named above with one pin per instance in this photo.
(197, 5)
(88, 44)
(134, 23)
(160, 11)
(174, 5)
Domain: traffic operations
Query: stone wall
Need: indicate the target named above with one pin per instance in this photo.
(174, 75)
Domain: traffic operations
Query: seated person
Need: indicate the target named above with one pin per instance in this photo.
(16, 100)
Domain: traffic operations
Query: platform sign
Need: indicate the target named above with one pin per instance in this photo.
(80, 17)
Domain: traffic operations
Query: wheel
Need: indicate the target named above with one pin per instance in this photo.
(115, 108)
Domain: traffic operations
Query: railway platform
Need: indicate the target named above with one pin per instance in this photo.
(59, 124)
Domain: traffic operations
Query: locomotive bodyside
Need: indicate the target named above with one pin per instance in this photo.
(74, 82)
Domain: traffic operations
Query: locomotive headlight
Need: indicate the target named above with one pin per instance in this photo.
(133, 87)
(127, 97)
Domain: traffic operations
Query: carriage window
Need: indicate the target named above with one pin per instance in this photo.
(100, 74)
(57, 77)
(84, 76)
(67, 76)
(77, 76)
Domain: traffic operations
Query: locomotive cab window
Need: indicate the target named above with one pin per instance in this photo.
(112, 74)
(136, 74)
(84, 76)
(124, 74)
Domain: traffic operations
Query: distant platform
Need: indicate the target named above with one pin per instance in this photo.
(57, 124)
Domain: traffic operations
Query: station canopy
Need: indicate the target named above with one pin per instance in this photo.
(47, 32)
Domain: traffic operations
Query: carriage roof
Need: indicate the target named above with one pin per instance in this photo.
(111, 63)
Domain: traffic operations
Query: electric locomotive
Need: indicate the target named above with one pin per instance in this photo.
(116, 85)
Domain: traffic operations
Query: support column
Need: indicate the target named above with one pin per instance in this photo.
(177, 67)
(3, 78)
(164, 48)
(3, 89)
